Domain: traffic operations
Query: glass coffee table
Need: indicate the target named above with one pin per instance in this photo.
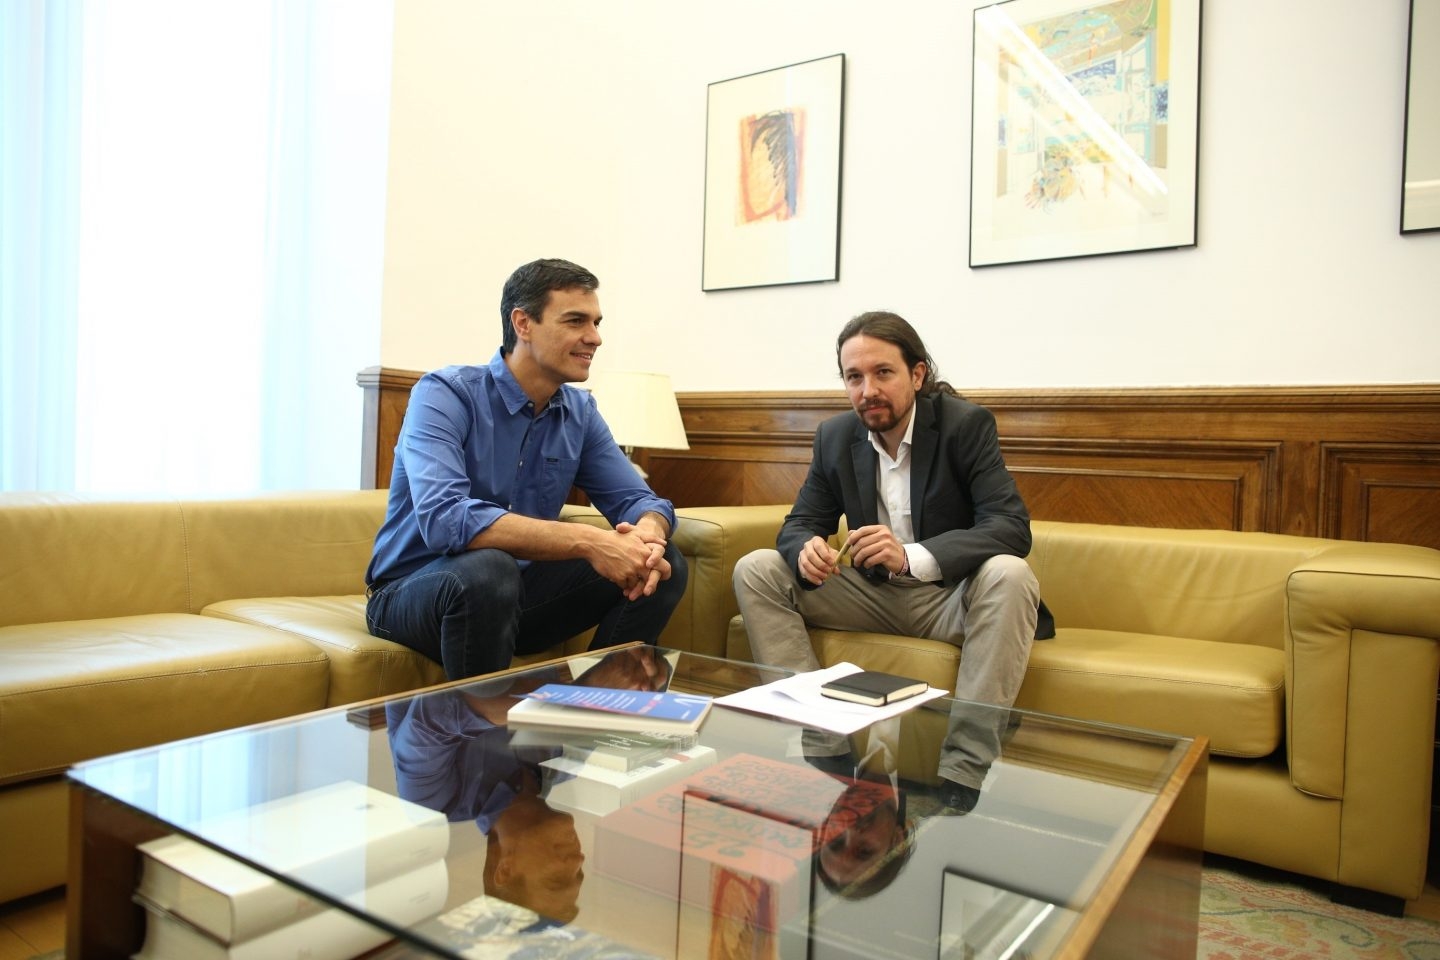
(755, 838)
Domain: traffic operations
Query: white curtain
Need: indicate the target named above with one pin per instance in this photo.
(39, 243)
(225, 245)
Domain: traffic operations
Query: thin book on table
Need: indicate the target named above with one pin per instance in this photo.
(567, 707)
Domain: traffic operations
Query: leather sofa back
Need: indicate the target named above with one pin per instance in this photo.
(74, 557)
(292, 544)
(79, 557)
(1205, 584)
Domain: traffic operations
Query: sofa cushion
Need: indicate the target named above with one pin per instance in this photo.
(1233, 693)
(72, 690)
(361, 666)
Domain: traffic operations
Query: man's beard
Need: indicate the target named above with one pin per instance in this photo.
(888, 418)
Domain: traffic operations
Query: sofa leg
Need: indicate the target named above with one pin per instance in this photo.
(1383, 903)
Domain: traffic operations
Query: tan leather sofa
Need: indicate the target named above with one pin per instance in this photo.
(127, 624)
(1309, 664)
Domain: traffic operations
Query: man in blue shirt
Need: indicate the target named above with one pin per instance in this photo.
(471, 565)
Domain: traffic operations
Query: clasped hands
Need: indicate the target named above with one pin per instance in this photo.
(867, 547)
(632, 557)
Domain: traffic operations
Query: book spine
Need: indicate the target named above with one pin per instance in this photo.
(234, 901)
(573, 788)
(264, 904)
(331, 934)
(620, 759)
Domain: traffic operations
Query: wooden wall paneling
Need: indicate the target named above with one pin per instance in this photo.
(696, 482)
(1181, 483)
(1382, 492)
(1357, 462)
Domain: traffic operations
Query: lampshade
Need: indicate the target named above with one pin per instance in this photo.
(640, 408)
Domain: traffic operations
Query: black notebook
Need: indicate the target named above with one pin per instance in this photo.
(873, 688)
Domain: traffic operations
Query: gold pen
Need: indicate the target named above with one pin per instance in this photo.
(844, 552)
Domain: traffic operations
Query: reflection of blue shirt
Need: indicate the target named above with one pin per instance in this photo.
(449, 758)
(471, 450)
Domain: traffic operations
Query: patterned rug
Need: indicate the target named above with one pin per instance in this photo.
(1247, 913)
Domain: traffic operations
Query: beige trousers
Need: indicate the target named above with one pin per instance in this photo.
(990, 616)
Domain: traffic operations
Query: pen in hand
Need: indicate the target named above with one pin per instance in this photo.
(840, 558)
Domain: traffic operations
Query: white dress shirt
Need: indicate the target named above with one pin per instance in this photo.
(892, 483)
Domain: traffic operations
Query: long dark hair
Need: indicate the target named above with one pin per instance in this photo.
(529, 289)
(893, 328)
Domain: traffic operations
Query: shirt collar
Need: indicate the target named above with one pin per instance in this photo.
(514, 395)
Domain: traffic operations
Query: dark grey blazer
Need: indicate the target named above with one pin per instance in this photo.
(964, 505)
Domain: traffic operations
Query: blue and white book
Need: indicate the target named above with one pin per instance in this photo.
(564, 706)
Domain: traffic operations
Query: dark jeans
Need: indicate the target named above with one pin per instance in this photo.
(472, 612)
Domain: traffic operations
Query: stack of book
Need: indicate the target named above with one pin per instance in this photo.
(602, 772)
(383, 854)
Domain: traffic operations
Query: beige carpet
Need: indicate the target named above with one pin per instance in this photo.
(1248, 913)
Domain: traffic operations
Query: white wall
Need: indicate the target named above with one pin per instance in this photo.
(577, 129)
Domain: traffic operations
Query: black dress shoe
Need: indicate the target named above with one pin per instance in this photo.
(956, 799)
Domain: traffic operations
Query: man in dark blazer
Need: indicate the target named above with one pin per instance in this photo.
(937, 530)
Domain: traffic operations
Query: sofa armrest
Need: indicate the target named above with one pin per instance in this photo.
(1362, 656)
(1362, 624)
(720, 536)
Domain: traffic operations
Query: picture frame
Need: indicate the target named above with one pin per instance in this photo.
(1085, 124)
(980, 921)
(772, 176)
(1420, 176)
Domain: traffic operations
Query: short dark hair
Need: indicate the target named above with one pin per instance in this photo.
(529, 289)
(893, 328)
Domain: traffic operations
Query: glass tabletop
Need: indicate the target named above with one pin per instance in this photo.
(427, 816)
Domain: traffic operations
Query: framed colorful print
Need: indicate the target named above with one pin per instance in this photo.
(1084, 129)
(1420, 200)
(772, 176)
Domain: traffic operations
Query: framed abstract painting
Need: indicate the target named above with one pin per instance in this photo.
(772, 176)
(1420, 199)
(1084, 128)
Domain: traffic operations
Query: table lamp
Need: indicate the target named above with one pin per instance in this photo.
(640, 409)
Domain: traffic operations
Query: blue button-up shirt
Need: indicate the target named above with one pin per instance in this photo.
(472, 449)
(451, 759)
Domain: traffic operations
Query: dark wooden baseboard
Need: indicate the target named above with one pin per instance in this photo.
(1352, 462)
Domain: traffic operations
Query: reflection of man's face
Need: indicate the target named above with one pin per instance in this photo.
(855, 850)
(537, 859)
